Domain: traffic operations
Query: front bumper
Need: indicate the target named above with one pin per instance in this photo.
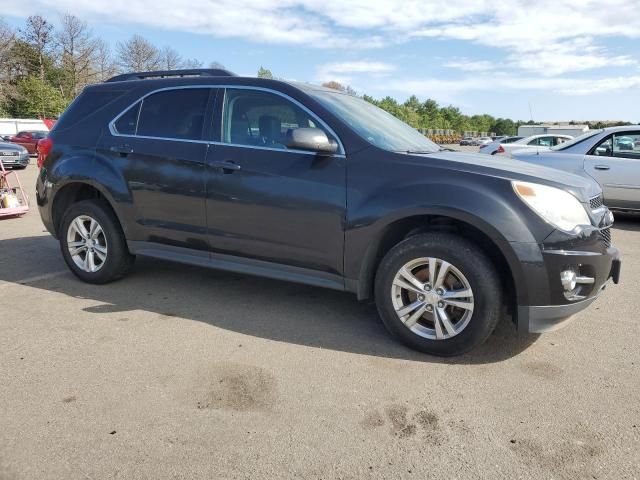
(602, 267)
(15, 161)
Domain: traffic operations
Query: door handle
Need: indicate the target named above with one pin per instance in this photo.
(601, 167)
(227, 166)
(123, 149)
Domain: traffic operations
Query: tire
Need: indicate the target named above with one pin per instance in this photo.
(462, 326)
(112, 259)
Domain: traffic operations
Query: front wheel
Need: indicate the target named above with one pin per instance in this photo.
(438, 293)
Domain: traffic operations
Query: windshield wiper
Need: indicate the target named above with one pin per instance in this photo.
(419, 152)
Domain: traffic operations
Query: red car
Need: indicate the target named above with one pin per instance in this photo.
(29, 139)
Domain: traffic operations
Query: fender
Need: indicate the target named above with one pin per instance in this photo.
(466, 201)
(84, 166)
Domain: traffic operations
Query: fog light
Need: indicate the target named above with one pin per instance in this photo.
(568, 278)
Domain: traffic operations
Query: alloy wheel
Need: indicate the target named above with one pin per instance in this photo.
(87, 243)
(432, 298)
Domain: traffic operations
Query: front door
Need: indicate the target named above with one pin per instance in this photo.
(268, 202)
(615, 164)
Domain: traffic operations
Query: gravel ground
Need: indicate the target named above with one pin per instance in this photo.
(180, 372)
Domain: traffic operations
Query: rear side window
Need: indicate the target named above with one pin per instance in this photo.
(126, 124)
(86, 104)
(173, 114)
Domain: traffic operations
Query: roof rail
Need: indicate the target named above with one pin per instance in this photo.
(194, 72)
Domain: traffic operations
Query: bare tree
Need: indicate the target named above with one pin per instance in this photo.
(105, 65)
(191, 63)
(138, 55)
(78, 53)
(7, 37)
(216, 65)
(39, 34)
(170, 58)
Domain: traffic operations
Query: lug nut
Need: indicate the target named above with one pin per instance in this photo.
(429, 308)
(439, 291)
(427, 287)
(440, 304)
(421, 298)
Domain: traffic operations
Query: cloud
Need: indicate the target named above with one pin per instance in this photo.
(343, 71)
(469, 65)
(550, 37)
(448, 89)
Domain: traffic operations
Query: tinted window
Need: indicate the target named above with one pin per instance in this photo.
(86, 104)
(174, 114)
(627, 145)
(603, 149)
(511, 139)
(126, 124)
(261, 119)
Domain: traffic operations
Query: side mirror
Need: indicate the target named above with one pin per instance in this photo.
(312, 139)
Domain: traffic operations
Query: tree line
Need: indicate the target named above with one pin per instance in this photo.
(43, 68)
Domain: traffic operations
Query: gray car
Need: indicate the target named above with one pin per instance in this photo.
(13, 156)
(611, 156)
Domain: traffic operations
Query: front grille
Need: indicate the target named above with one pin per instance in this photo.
(596, 202)
(605, 233)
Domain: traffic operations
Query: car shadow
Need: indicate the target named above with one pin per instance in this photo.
(265, 308)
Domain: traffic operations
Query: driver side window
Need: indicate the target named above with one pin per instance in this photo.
(603, 149)
(261, 119)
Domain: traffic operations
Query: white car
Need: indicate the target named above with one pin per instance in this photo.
(538, 142)
(611, 156)
(492, 148)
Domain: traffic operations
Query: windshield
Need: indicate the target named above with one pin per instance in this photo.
(374, 124)
(577, 140)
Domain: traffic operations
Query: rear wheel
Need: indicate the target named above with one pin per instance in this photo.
(93, 244)
(438, 293)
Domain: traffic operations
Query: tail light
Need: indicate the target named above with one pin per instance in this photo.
(44, 147)
(500, 149)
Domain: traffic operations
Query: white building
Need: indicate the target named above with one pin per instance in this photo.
(573, 130)
(11, 126)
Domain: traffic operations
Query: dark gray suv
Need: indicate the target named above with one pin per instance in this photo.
(297, 182)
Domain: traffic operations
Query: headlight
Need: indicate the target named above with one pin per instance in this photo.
(556, 206)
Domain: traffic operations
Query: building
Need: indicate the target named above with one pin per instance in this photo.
(573, 130)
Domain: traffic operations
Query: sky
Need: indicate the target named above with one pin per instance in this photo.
(546, 60)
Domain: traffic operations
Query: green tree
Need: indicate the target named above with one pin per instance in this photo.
(38, 99)
(265, 73)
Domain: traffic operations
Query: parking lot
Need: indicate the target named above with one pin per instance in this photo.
(181, 372)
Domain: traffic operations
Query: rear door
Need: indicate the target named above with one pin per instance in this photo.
(615, 164)
(266, 201)
(158, 147)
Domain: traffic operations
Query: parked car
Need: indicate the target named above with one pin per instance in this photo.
(624, 143)
(492, 148)
(29, 139)
(13, 156)
(466, 141)
(603, 155)
(483, 141)
(534, 142)
(250, 175)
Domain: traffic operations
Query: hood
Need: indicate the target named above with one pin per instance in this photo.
(11, 147)
(512, 169)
